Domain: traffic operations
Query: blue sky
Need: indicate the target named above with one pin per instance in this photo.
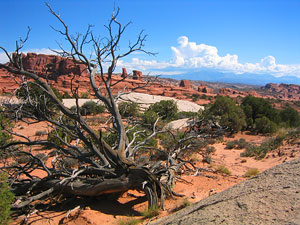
(232, 36)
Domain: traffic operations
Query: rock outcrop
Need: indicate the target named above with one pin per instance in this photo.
(284, 91)
(230, 92)
(235, 93)
(204, 89)
(137, 75)
(64, 73)
(124, 73)
(272, 197)
(7, 82)
(186, 84)
(53, 66)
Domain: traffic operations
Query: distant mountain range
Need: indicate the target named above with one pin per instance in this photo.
(246, 78)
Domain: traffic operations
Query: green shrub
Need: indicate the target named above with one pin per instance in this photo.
(195, 97)
(23, 158)
(207, 159)
(252, 150)
(185, 203)
(74, 109)
(262, 117)
(265, 126)
(179, 139)
(6, 199)
(260, 151)
(211, 141)
(182, 115)
(241, 143)
(204, 96)
(210, 149)
(5, 137)
(130, 221)
(152, 142)
(96, 120)
(128, 109)
(222, 169)
(44, 102)
(110, 138)
(56, 136)
(290, 117)
(151, 212)
(206, 154)
(40, 133)
(251, 172)
(231, 144)
(66, 95)
(84, 95)
(225, 112)
(167, 109)
(148, 118)
(255, 108)
(69, 163)
(42, 156)
(91, 108)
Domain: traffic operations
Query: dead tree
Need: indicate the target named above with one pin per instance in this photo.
(101, 168)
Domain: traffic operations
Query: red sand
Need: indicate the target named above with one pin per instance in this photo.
(194, 188)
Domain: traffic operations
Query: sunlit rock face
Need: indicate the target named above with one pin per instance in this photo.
(66, 73)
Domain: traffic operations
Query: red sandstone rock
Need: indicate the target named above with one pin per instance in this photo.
(137, 75)
(204, 89)
(185, 84)
(169, 93)
(64, 73)
(124, 73)
(284, 91)
(52, 66)
(253, 93)
(230, 92)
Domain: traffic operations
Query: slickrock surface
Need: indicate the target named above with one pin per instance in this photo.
(178, 124)
(144, 101)
(272, 197)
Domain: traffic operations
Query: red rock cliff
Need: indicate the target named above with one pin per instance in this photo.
(64, 73)
(52, 66)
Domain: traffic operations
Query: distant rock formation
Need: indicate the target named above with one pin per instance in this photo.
(186, 84)
(124, 73)
(234, 93)
(137, 75)
(284, 91)
(64, 73)
(204, 89)
(52, 66)
(229, 92)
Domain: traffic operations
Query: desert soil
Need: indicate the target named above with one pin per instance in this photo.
(195, 188)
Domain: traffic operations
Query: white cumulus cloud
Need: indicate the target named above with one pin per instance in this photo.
(190, 56)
